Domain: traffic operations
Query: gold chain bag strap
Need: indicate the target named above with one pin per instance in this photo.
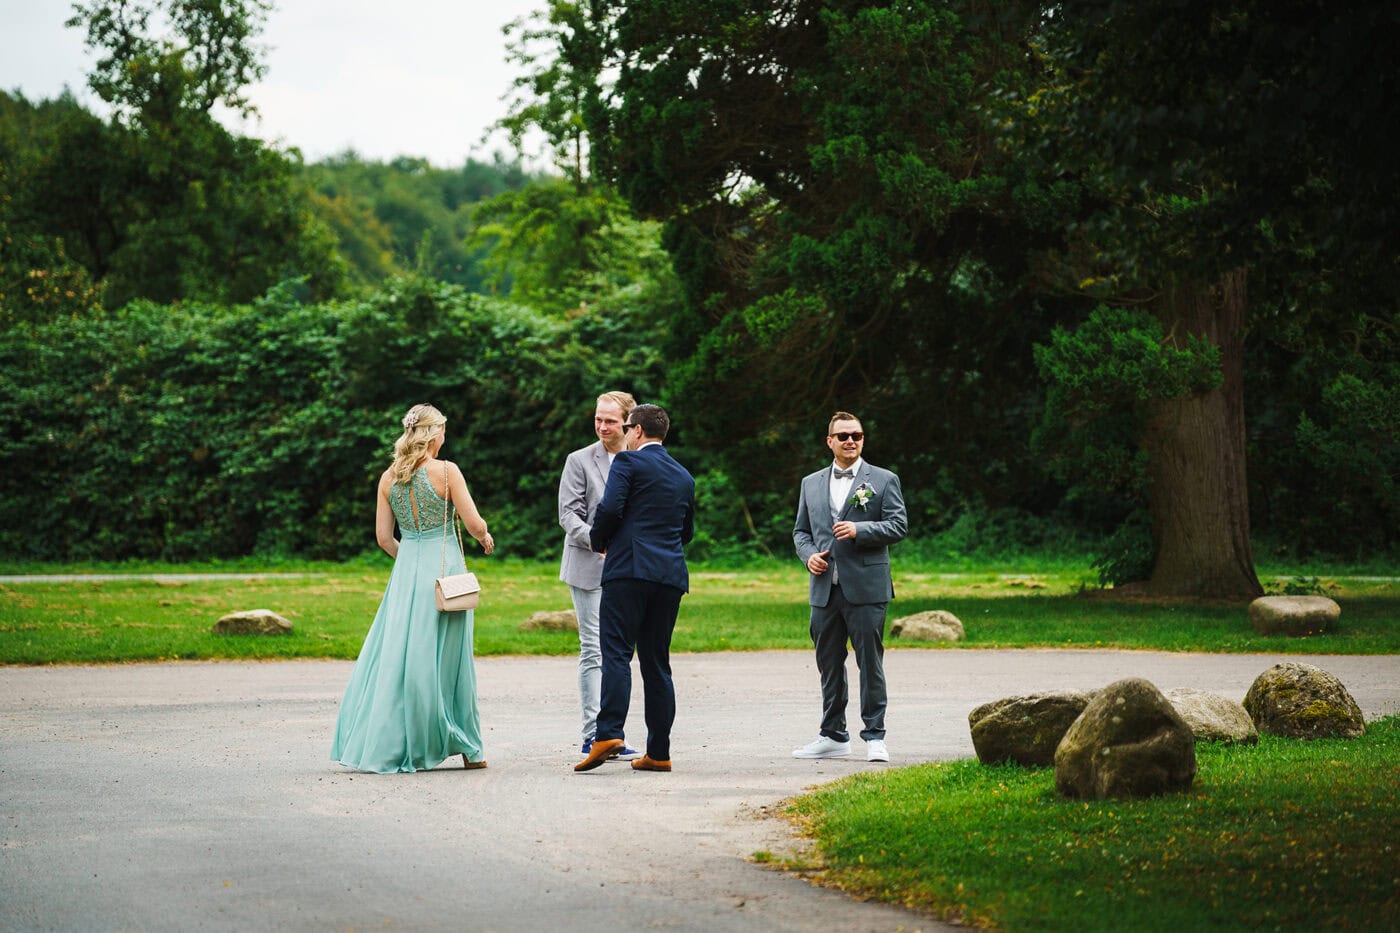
(460, 591)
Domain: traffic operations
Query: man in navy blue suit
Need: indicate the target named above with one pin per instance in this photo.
(645, 518)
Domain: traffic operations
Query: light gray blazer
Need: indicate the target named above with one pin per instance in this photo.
(862, 563)
(580, 489)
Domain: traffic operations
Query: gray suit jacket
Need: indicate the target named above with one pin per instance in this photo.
(580, 490)
(863, 562)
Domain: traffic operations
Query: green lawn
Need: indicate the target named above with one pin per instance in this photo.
(1290, 835)
(759, 607)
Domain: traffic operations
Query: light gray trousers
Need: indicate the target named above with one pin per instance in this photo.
(590, 656)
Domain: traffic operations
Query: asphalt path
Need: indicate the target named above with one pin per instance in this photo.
(201, 795)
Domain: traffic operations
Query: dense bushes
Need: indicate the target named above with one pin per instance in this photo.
(202, 431)
(208, 431)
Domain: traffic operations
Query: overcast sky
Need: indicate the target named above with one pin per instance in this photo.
(384, 77)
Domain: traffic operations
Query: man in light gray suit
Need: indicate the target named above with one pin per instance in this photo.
(848, 515)
(580, 489)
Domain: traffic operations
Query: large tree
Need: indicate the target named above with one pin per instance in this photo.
(847, 233)
(1228, 143)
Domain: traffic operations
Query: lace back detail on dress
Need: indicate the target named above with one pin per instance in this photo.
(430, 505)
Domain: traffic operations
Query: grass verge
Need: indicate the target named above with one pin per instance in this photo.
(1290, 834)
(762, 606)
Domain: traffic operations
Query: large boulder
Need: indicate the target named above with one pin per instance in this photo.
(1128, 742)
(1293, 615)
(252, 622)
(1024, 729)
(1214, 718)
(560, 620)
(933, 625)
(1303, 702)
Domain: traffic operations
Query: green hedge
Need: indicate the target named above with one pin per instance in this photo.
(196, 431)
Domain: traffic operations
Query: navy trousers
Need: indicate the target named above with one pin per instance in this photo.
(638, 615)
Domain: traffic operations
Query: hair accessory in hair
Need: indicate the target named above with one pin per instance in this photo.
(410, 419)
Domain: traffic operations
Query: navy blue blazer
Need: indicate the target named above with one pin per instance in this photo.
(645, 518)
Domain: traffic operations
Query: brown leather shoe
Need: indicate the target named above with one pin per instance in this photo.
(472, 765)
(646, 763)
(601, 751)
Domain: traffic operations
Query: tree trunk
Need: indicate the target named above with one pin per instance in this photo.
(1196, 448)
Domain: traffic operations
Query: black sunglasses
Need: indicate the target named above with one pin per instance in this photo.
(844, 436)
(629, 426)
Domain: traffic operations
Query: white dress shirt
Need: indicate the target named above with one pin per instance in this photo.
(841, 486)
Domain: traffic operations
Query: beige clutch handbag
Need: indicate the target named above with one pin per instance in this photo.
(457, 592)
(460, 591)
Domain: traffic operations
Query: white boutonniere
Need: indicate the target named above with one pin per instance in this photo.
(861, 497)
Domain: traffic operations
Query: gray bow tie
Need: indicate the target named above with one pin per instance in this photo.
(849, 474)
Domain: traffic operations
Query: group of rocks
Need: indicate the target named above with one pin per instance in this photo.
(1295, 616)
(1131, 740)
(267, 622)
(1270, 615)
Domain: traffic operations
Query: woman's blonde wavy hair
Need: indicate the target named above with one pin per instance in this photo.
(420, 426)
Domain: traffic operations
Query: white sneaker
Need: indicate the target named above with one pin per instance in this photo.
(875, 750)
(823, 747)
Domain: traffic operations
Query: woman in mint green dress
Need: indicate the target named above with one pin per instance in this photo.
(411, 701)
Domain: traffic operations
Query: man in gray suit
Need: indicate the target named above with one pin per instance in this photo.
(848, 514)
(580, 490)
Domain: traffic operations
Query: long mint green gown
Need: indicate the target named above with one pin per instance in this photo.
(411, 701)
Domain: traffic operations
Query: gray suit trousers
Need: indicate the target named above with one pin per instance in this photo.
(864, 625)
